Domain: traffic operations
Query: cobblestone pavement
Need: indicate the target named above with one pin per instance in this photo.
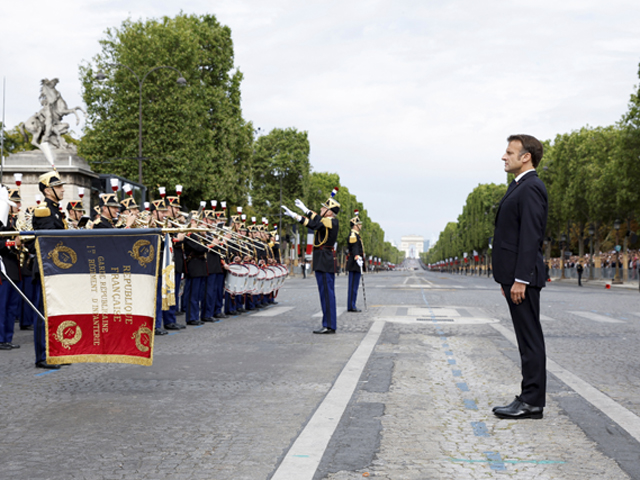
(227, 400)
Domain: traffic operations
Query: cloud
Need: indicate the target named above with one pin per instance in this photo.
(409, 101)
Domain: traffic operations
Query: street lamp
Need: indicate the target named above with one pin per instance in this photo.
(592, 232)
(100, 76)
(616, 278)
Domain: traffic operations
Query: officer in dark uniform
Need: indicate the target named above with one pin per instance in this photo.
(325, 226)
(354, 262)
(195, 270)
(10, 300)
(46, 216)
(109, 209)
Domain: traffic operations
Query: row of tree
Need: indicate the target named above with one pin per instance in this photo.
(592, 177)
(195, 134)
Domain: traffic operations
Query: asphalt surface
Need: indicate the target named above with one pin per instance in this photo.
(404, 390)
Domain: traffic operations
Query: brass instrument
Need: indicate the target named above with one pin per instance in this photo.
(143, 220)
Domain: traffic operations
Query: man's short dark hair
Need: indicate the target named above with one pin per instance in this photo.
(530, 145)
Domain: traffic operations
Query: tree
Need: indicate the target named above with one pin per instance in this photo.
(280, 165)
(193, 135)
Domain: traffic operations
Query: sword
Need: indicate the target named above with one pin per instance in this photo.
(364, 291)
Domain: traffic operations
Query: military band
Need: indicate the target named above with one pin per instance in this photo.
(201, 257)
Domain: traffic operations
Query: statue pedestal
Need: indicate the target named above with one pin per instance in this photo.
(74, 170)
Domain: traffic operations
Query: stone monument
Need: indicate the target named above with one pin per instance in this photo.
(47, 128)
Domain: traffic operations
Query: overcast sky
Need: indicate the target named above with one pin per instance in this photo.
(409, 101)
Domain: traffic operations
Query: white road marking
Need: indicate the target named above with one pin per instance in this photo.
(596, 317)
(612, 409)
(339, 311)
(272, 312)
(303, 458)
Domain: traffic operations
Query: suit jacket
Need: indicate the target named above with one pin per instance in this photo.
(521, 221)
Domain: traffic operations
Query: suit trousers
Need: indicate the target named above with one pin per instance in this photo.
(327, 292)
(352, 293)
(533, 357)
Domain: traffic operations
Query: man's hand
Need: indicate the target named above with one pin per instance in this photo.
(291, 214)
(302, 206)
(517, 292)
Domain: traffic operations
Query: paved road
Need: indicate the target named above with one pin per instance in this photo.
(403, 391)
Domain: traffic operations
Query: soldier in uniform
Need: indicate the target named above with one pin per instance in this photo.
(325, 226)
(159, 211)
(75, 211)
(10, 300)
(173, 211)
(28, 317)
(354, 262)
(215, 277)
(46, 217)
(196, 272)
(109, 209)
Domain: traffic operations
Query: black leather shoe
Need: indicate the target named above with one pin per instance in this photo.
(5, 346)
(240, 310)
(210, 320)
(220, 315)
(13, 345)
(518, 410)
(46, 365)
(511, 405)
(354, 310)
(180, 326)
(171, 326)
(324, 331)
(195, 323)
(28, 327)
(274, 303)
(159, 331)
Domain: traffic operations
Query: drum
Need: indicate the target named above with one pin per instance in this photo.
(260, 280)
(270, 280)
(235, 280)
(253, 277)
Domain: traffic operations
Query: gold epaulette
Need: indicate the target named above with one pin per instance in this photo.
(353, 238)
(42, 212)
(327, 222)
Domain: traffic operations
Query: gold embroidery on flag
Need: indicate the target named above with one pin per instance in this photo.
(146, 247)
(137, 336)
(65, 327)
(63, 257)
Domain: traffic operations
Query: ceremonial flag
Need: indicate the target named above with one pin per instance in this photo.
(99, 290)
(168, 275)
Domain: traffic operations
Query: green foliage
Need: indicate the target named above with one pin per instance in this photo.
(193, 135)
(14, 142)
(280, 158)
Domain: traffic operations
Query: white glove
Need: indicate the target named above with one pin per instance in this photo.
(302, 206)
(359, 262)
(291, 214)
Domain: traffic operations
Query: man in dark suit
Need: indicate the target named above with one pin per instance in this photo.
(519, 268)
